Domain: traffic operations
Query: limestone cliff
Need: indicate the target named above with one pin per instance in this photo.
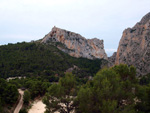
(134, 46)
(76, 45)
(111, 60)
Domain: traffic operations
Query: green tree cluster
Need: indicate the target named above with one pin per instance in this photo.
(111, 91)
(36, 86)
(26, 97)
(34, 59)
(8, 94)
(60, 96)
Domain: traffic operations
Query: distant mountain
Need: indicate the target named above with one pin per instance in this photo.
(134, 46)
(75, 45)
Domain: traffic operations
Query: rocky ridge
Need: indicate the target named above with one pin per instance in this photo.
(76, 45)
(134, 46)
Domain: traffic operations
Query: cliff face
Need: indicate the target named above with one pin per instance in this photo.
(75, 44)
(134, 46)
(111, 60)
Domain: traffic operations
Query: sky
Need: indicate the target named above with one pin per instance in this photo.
(26, 20)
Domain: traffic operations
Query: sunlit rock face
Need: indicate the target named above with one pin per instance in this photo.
(76, 45)
(134, 46)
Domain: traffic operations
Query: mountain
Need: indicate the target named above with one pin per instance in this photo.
(75, 45)
(112, 59)
(134, 46)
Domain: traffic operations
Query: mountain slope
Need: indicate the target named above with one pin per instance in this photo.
(76, 45)
(134, 46)
(31, 59)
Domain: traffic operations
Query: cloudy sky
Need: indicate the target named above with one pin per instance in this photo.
(26, 20)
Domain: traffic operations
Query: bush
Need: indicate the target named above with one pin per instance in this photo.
(23, 110)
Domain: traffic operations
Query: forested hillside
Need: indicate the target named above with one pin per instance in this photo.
(35, 59)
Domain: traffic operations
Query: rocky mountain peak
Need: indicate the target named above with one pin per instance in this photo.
(145, 19)
(76, 45)
(134, 46)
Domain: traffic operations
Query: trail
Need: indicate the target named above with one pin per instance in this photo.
(19, 106)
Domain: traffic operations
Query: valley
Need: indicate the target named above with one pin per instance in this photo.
(65, 72)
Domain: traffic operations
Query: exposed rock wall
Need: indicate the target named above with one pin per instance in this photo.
(111, 60)
(134, 46)
(75, 44)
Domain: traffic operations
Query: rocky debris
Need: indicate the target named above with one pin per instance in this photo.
(134, 46)
(69, 70)
(111, 60)
(76, 45)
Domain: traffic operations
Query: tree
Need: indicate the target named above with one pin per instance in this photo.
(0, 104)
(23, 110)
(11, 94)
(26, 97)
(111, 91)
(8, 94)
(143, 99)
(60, 96)
(100, 95)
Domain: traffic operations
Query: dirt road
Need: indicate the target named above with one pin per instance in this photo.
(19, 106)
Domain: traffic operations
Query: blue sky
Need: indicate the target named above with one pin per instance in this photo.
(26, 20)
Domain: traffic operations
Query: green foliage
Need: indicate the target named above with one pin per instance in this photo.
(26, 97)
(68, 84)
(23, 111)
(84, 100)
(0, 104)
(36, 87)
(111, 91)
(61, 93)
(114, 90)
(125, 72)
(11, 94)
(145, 80)
(31, 59)
(8, 93)
(143, 96)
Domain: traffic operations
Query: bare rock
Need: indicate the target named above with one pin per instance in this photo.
(134, 46)
(75, 44)
(111, 60)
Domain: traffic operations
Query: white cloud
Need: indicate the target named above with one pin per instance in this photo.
(13, 38)
(111, 50)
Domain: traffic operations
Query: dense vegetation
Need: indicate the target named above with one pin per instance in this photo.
(114, 90)
(111, 90)
(63, 93)
(34, 59)
(8, 94)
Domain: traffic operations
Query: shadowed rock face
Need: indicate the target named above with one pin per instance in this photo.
(75, 44)
(111, 60)
(134, 46)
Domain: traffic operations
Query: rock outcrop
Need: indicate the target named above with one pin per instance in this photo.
(134, 46)
(111, 60)
(76, 45)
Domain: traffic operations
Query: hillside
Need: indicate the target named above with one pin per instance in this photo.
(36, 59)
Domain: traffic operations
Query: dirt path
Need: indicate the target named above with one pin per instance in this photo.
(19, 106)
